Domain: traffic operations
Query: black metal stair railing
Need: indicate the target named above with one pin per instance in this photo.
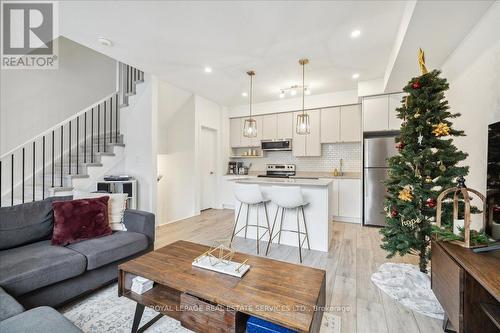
(65, 149)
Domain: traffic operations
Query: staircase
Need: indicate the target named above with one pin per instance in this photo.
(70, 150)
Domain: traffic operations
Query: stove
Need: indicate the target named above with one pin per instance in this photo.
(279, 171)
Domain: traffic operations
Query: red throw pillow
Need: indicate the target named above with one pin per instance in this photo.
(81, 219)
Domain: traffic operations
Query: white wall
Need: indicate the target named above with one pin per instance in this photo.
(294, 104)
(33, 100)
(473, 72)
(138, 125)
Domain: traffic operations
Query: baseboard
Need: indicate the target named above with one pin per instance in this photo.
(347, 219)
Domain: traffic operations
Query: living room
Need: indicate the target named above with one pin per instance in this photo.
(231, 166)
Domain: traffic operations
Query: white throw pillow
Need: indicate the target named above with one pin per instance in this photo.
(116, 206)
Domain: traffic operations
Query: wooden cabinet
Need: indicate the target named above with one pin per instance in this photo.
(308, 145)
(376, 113)
(350, 123)
(235, 132)
(269, 127)
(350, 198)
(284, 128)
(330, 125)
(394, 103)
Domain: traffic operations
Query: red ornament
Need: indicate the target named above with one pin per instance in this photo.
(416, 85)
(431, 203)
(394, 212)
(400, 145)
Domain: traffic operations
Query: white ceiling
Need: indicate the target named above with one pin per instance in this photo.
(176, 40)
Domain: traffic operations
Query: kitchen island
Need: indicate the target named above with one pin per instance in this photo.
(318, 212)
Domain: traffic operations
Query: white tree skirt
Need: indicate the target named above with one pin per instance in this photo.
(412, 288)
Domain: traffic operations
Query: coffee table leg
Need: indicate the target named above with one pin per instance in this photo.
(139, 310)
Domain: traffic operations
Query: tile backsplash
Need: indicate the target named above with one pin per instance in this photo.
(329, 159)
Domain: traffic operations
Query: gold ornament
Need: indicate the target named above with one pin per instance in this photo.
(441, 129)
(421, 62)
(416, 115)
(428, 179)
(407, 101)
(442, 167)
(405, 194)
(410, 223)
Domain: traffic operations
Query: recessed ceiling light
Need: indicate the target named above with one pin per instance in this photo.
(208, 69)
(293, 92)
(355, 76)
(244, 94)
(355, 33)
(104, 41)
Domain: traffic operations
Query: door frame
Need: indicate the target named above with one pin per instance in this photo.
(215, 131)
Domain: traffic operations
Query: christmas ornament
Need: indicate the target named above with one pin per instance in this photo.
(410, 223)
(421, 62)
(416, 85)
(420, 138)
(400, 145)
(416, 115)
(407, 101)
(428, 179)
(394, 212)
(441, 129)
(431, 203)
(405, 194)
(442, 167)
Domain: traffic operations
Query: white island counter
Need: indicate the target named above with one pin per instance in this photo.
(317, 192)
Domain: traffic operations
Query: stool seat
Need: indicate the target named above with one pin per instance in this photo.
(251, 196)
(289, 197)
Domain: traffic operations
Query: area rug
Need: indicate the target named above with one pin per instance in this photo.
(410, 287)
(104, 311)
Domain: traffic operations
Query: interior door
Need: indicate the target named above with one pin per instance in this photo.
(208, 166)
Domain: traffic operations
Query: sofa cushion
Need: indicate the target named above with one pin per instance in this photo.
(29, 267)
(25, 223)
(9, 307)
(104, 250)
(38, 320)
(81, 219)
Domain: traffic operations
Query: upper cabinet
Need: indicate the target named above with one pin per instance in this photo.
(350, 123)
(395, 101)
(330, 125)
(284, 129)
(269, 127)
(235, 130)
(310, 144)
(379, 112)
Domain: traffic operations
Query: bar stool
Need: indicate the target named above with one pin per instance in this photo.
(251, 195)
(289, 197)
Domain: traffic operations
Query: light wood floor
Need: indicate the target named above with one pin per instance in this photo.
(354, 255)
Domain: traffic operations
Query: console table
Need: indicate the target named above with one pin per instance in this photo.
(285, 294)
(467, 285)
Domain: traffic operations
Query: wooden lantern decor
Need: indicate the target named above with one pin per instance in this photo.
(462, 190)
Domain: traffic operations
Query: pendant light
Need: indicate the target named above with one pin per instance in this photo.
(303, 124)
(250, 125)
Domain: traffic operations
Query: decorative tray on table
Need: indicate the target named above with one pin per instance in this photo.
(219, 259)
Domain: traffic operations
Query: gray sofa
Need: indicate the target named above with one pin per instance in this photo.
(38, 274)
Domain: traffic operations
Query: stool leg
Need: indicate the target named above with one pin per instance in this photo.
(246, 224)
(298, 234)
(305, 226)
(235, 224)
(272, 230)
(281, 224)
(257, 238)
(267, 221)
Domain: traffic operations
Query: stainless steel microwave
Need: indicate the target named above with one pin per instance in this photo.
(276, 145)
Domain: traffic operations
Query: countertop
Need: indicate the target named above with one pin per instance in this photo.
(329, 175)
(285, 181)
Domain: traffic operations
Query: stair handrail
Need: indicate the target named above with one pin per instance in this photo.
(64, 122)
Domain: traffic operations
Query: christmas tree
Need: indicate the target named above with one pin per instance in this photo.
(426, 165)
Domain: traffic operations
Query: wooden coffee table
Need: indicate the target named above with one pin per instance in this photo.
(286, 294)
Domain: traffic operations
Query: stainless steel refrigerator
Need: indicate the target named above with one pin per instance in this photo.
(375, 171)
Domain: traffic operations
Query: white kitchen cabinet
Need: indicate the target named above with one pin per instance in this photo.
(330, 125)
(350, 198)
(235, 132)
(394, 103)
(335, 197)
(350, 123)
(255, 142)
(226, 192)
(269, 127)
(376, 113)
(310, 144)
(284, 128)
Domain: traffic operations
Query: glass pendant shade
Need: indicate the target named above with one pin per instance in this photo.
(250, 128)
(303, 124)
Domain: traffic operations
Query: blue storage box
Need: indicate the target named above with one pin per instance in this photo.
(257, 325)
